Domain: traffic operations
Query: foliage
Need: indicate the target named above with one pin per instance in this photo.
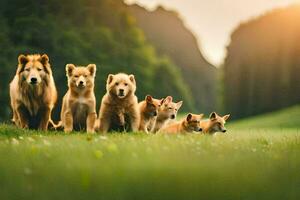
(81, 32)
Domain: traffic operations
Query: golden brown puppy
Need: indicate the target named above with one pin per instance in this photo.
(189, 124)
(148, 111)
(119, 107)
(167, 111)
(214, 124)
(79, 103)
(32, 92)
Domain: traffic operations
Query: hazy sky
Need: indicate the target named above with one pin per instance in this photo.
(212, 21)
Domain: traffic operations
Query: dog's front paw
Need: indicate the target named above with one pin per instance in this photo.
(67, 130)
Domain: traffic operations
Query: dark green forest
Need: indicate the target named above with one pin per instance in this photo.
(82, 32)
(262, 68)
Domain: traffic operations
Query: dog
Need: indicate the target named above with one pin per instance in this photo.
(79, 103)
(32, 92)
(189, 124)
(167, 111)
(148, 112)
(119, 110)
(214, 124)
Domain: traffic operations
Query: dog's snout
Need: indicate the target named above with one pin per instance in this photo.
(172, 116)
(33, 80)
(81, 82)
(224, 131)
(200, 129)
(155, 113)
(121, 90)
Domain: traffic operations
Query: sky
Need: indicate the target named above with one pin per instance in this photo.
(213, 21)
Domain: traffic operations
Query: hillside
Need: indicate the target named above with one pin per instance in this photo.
(167, 32)
(286, 118)
(262, 66)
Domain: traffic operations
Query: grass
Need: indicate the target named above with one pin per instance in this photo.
(246, 163)
(282, 119)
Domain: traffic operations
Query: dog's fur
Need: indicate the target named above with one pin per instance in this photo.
(214, 124)
(119, 106)
(79, 103)
(167, 111)
(148, 111)
(32, 92)
(189, 124)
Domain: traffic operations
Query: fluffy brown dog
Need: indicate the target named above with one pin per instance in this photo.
(119, 107)
(189, 124)
(32, 92)
(79, 103)
(148, 111)
(167, 111)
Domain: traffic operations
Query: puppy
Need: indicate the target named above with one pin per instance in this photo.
(167, 111)
(148, 111)
(214, 124)
(79, 103)
(189, 124)
(119, 109)
(33, 92)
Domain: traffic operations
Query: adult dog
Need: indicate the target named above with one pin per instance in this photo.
(32, 92)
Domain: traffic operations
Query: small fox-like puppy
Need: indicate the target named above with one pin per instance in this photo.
(79, 103)
(119, 109)
(167, 111)
(214, 124)
(33, 92)
(148, 111)
(189, 124)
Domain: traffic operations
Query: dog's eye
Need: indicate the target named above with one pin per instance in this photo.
(170, 108)
(27, 69)
(126, 84)
(116, 83)
(39, 69)
(76, 76)
(85, 76)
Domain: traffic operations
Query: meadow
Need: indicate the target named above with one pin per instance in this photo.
(259, 158)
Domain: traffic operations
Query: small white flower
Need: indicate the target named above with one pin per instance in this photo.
(47, 143)
(14, 141)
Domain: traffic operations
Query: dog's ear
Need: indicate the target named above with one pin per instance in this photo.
(162, 101)
(69, 69)
(168, 99)
(22, 60)
(92, 69)
(213, 116)
(131, 78)
(45, 62)
(179, 104)
(189, 117)
(201, 116)
(149, 99)
(110, 78)
(226, 117)
(44, 59)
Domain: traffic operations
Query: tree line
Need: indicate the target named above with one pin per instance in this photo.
(262, 67)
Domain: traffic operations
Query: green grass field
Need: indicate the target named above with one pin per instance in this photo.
(254, 160)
